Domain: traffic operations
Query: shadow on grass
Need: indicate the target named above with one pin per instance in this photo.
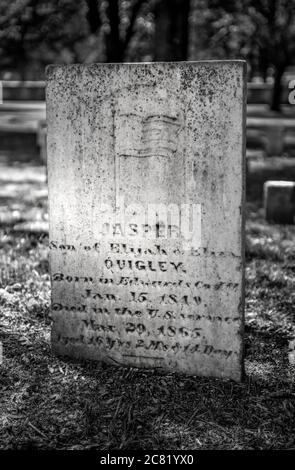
(60, 403)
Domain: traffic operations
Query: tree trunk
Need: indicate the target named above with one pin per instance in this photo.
(93, 15)
(277, 89)
(183, 28)
(171, 29)
(114, 49)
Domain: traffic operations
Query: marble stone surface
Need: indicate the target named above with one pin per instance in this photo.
(146, 201)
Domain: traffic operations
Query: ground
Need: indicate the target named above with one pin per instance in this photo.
(51, 403)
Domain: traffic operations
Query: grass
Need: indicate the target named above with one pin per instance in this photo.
(49, 403)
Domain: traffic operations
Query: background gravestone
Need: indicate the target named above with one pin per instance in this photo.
(133, 284)
(279, 201)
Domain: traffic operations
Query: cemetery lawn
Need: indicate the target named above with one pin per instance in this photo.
(51, 403)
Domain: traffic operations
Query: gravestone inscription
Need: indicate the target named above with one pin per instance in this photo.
(146, 195)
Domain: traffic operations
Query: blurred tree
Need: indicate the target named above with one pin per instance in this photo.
(262, 31)
(171, 29)
(35, 32)
(116, 43)
(274, 38)
(93, 15)
(118, 19)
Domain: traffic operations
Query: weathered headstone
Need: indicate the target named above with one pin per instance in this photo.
(279, 201)
(146, 184)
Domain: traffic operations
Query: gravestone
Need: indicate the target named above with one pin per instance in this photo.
(279, 201)
(146, 196)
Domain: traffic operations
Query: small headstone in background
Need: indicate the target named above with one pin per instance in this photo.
(41, 140)
(279, 201)
(291, 355)
(130, 286)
